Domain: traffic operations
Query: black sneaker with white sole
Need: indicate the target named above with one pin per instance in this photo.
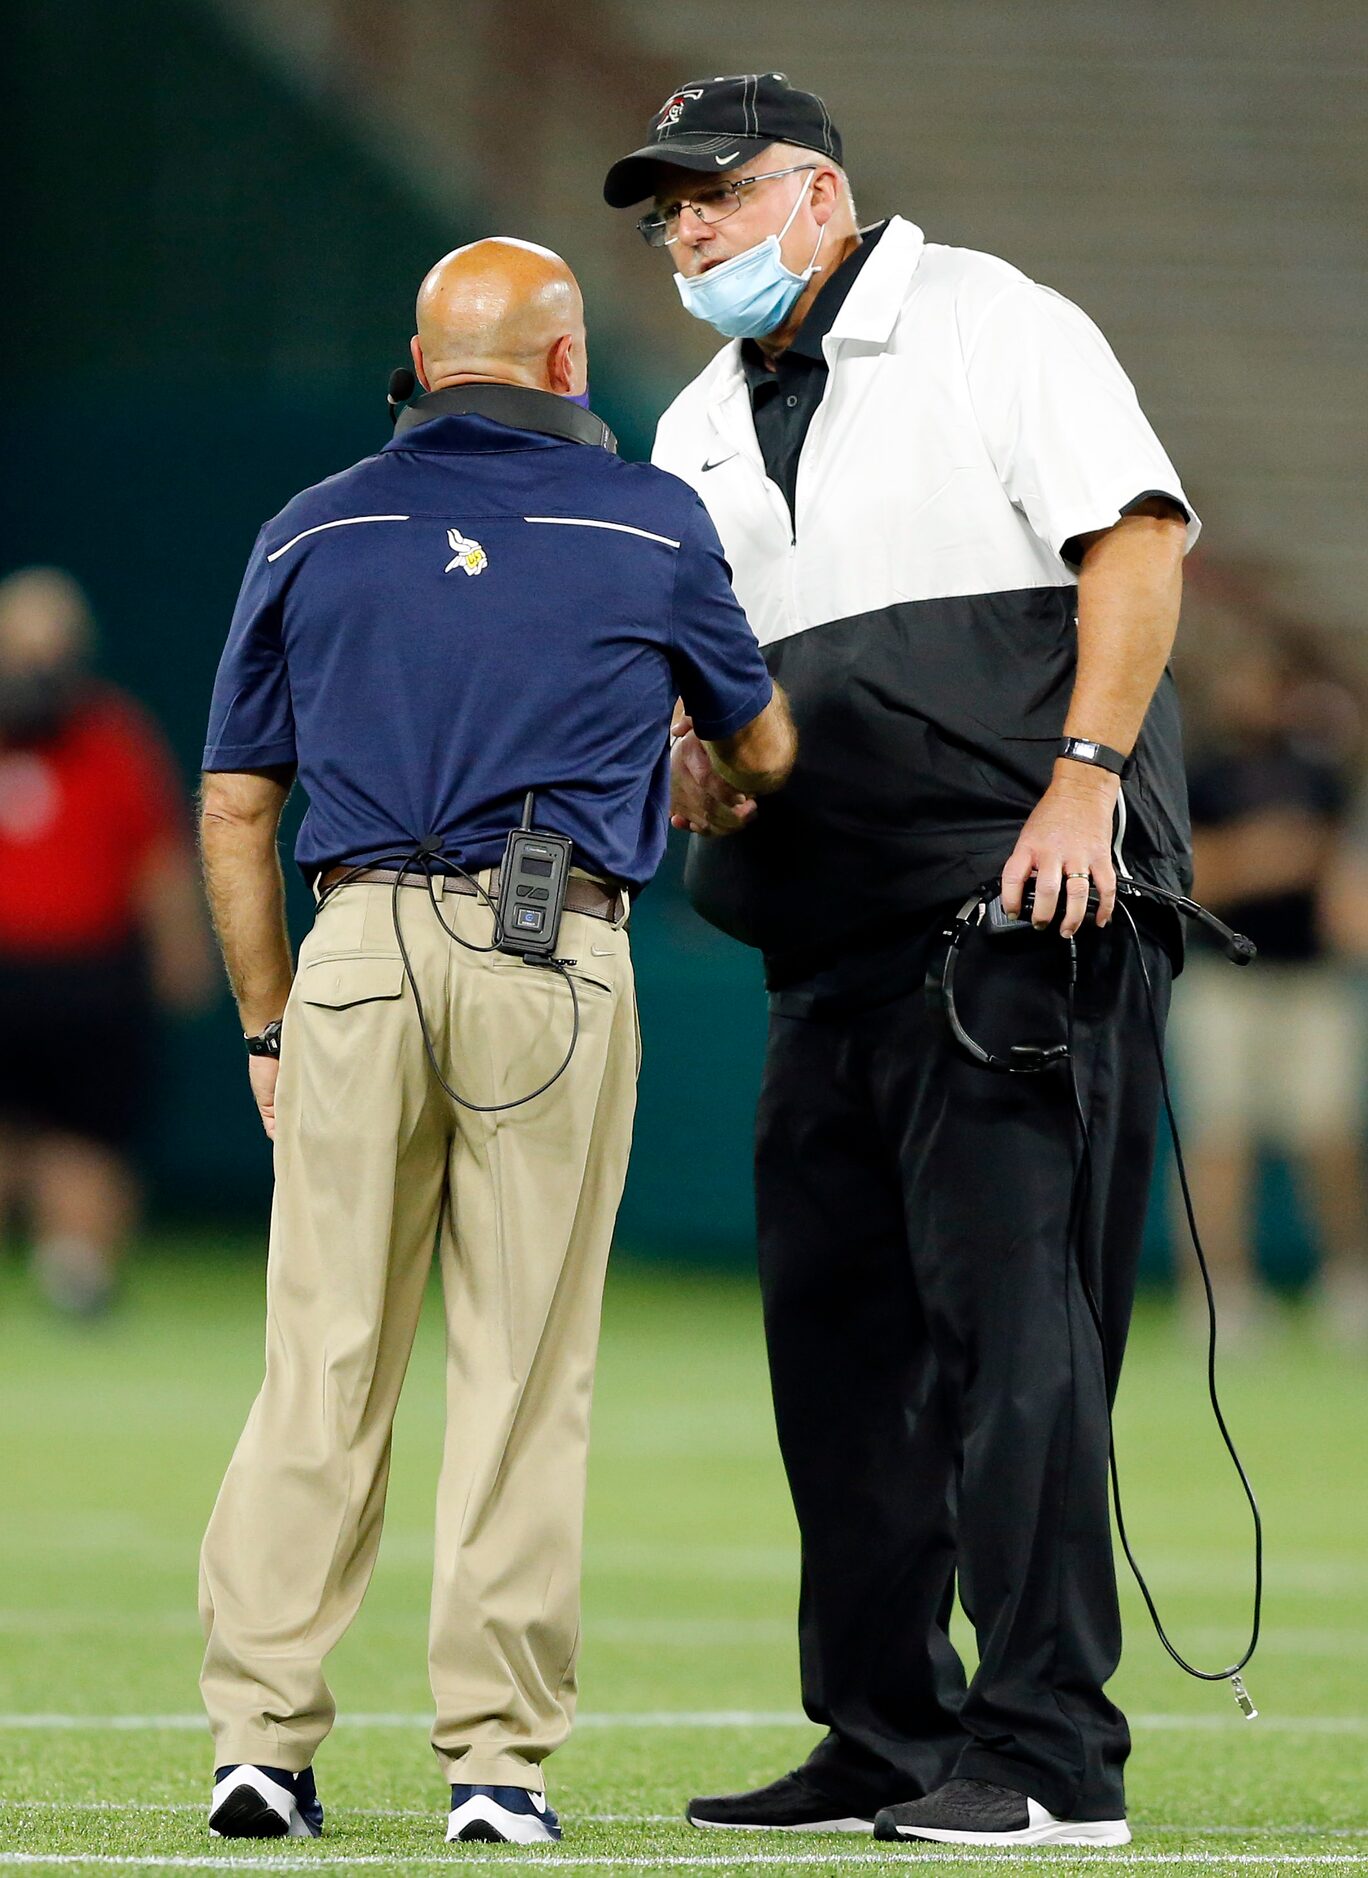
(264, 1803)
(507, 1815)
(792, 1803)
(976, 1812)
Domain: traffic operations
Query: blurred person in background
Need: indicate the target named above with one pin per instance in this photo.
(101, 929)
(1275, 1058)
(960, 544)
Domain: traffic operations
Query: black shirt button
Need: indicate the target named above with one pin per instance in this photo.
(791, 402)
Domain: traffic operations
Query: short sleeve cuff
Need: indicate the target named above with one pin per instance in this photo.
(713, 730)
(1069, 528)
(226, 756)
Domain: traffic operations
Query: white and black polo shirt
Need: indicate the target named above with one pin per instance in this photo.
(916, 606)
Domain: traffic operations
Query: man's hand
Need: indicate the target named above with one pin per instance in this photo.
(263, 1071)
(1067, 836)
(701, 801)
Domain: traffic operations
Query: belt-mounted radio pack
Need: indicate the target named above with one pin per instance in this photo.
(533, 879)
(532, 882)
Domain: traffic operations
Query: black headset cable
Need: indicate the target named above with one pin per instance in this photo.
(422, 856)
(1082, 1191)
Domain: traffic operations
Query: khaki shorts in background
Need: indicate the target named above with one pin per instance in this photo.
(1267, 1054)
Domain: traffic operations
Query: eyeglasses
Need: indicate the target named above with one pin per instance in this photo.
(661, 230)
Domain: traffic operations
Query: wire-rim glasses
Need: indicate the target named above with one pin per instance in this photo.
(661, 229)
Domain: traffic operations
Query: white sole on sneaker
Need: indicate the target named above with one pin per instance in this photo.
(1046, 1831)
(482, 1818)
(248, 1804)
(815, 1825)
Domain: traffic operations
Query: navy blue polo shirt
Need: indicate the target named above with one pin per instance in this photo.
(478, 610)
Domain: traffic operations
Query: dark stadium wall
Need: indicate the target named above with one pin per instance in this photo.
(214, 283)
(210, 282)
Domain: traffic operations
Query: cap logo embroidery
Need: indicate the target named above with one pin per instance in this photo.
(468, 555)
(671, 111)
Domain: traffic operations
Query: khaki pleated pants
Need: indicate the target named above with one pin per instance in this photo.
(374, 1165)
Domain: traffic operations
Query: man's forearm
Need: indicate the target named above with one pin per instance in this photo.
(757, 761)
(1129, 590)
(1128, 593)
(246, 893)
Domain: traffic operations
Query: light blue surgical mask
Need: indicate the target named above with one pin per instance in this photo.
(581, 398)
(754, 292)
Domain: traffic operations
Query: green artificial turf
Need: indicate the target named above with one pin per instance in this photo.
(114, 1436)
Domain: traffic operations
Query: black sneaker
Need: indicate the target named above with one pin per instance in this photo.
(789, 1804)
(264, 1803)
(975, 1812)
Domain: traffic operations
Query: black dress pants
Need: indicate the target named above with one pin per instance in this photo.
(939, 1382)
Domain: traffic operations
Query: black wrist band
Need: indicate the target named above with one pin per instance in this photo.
(1100, 755)
(266, 1042)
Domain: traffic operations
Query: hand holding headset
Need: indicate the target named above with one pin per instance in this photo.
(984, 911)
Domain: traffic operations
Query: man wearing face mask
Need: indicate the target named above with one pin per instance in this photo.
(101, 928)
(959, 543)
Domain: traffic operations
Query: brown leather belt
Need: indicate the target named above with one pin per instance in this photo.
(581, 895)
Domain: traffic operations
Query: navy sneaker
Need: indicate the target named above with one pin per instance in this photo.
(511, 1814)
(264, 1803)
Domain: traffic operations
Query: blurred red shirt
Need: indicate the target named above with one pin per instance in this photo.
(80, 817)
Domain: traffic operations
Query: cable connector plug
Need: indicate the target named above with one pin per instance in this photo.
(1244, 1701)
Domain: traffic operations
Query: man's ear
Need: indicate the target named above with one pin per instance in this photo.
(419, 368)
(566, 367)
(825, 197)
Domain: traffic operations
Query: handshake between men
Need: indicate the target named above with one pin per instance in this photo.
(704, 799)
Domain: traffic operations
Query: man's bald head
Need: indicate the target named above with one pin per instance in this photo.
(501, 311)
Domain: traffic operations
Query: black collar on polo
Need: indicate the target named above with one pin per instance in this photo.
(518, 406)
(821, 315)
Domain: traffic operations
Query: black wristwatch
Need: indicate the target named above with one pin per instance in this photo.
(1100, 755)
(266, 1042)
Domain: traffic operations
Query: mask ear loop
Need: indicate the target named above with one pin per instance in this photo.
(812, 267)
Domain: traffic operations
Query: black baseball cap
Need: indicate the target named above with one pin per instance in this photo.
(712, 124)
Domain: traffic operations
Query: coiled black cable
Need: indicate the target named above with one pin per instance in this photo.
(1077, 1211)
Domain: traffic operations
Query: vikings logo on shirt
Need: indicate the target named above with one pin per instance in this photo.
(673, 108)
(468, 555)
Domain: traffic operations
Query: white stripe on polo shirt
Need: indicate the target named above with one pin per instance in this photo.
(586, 521)
(344, 521)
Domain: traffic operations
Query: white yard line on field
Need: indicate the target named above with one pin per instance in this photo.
(1268, 1723)
(685, 1633)
(1139, 1860)
(1330, 1643)
(198, 1807)
(84, 1534)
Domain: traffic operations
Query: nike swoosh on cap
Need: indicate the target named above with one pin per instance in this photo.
(723, 161)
